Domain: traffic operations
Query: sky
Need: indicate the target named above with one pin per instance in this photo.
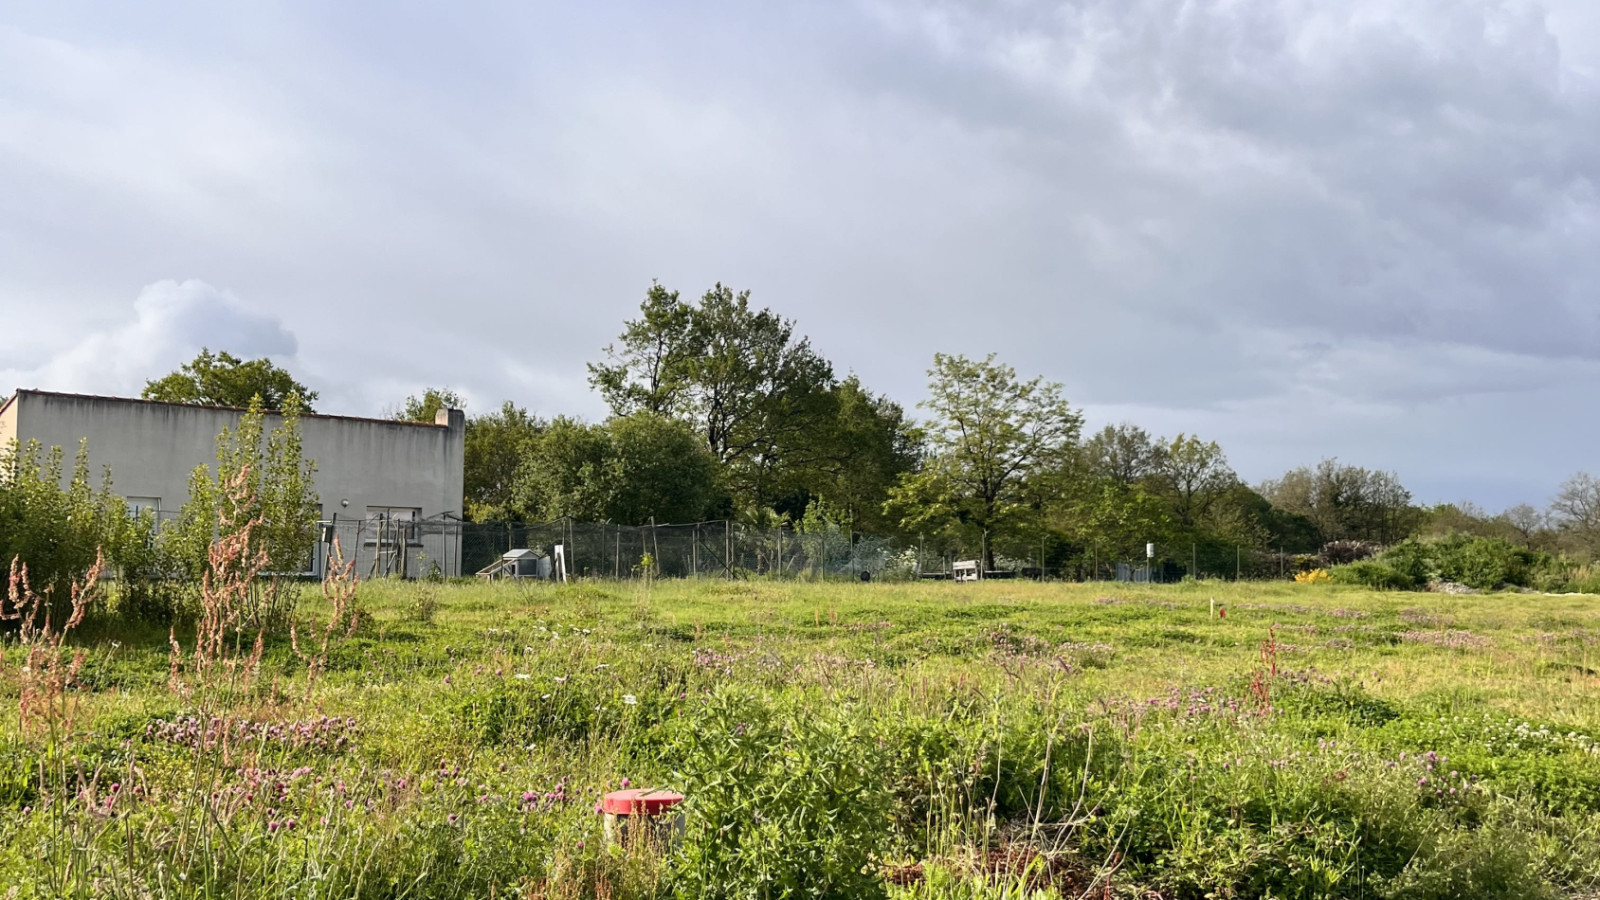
(1302, 228)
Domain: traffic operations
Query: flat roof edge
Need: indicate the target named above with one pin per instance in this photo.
(140, 400)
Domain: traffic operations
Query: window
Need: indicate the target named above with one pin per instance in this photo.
(137, 505)
(391, 524)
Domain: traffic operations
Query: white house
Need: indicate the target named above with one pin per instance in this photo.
(393, 489)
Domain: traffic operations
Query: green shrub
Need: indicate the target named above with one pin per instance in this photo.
(1375, 575)
(1483, 563)
(1412, 559)
(785, 801)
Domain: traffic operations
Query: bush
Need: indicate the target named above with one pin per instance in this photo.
(1482, 562)
(784, 802)
(1375, 575)
(1412, 559)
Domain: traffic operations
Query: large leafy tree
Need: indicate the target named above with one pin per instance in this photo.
(222, 379)
(629, 470)
(1124, 454)
(752, 389)
(859, 452)
(992, 438)
(495, 446)
(1193, 475)
(648, 367)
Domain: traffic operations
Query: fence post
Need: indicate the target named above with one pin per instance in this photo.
(655, 542)
(727, 540)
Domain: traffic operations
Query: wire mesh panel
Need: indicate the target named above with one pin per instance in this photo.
(445, 546)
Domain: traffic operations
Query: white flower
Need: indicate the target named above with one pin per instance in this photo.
(630, 699)
(545, 697)
(523, 676)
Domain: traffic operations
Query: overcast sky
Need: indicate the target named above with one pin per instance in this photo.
(1302, 228)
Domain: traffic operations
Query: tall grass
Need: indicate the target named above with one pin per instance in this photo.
(936, 741)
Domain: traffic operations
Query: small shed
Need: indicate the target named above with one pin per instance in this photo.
(966, 570)
(526, 563)
(518, 564)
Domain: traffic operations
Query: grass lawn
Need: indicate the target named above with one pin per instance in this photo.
(1003, 739)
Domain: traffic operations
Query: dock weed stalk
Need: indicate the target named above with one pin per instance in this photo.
(339, 588)
(232, 570)
(47, 706)
(47, 674)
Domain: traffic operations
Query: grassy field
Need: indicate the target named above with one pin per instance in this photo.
(1007, 739)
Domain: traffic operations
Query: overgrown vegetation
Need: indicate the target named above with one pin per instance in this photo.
(918, 740)
(1476, 563)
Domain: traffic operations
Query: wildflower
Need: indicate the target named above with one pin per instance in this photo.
(626, 782)
(630, 699)
(523, 676)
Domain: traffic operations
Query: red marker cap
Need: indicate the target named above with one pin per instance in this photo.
(640, 802)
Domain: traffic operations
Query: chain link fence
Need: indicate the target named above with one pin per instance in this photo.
(446, 546)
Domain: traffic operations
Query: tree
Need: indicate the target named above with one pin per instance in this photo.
(423, 409)
(756, 393)
(1576, 512)
(1346, 502)
(1193, 474)
(1525, 522)
(223, 379)
(494, 447)
(658, 471)
(858, 452)
(1118, 520)
(629, 471)
(1124, 453)
(649, 365)
(991, 437)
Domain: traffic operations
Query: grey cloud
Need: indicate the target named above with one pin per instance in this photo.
(171, 322)
(1360, 228)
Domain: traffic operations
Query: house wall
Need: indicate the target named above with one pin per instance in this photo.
(153, 447)
(8, 423)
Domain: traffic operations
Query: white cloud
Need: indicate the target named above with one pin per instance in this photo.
(171, 322)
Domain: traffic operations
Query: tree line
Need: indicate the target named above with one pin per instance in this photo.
(720, 409)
